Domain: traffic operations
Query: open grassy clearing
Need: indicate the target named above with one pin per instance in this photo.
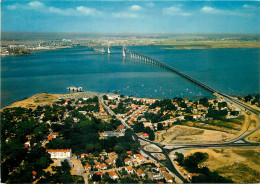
(36, 100)
(180, 134)
(242, 165)
(212, 44)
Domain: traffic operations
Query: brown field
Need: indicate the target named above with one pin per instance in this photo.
(185, 134)
(255, 137)
(212, 44)
(211, 131)
(242, 165)
(35, 100)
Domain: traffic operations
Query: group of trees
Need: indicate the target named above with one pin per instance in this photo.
(191, 164)
(165, 104)
(20, 161)
(204, 102)
(120, 109)
(215, 114)
(89, 108)
(83, 137)
(62, 175)
(254, 98)
(139, 127)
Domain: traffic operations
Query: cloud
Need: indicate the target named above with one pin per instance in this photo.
(131, 12)
(88, 11)
(36, 4)
(175, 11)
(39, 6)
(211, 10)
(124, 15)
(135, 8)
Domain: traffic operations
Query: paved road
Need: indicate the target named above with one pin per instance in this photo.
(167, 163)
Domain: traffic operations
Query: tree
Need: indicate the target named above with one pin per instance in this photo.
(204, 102)
(118, 148)
(179, 158)
(151, 135)
(138, 127)
(183, 105)
(159, 126)
(119, 162)
(66, 177)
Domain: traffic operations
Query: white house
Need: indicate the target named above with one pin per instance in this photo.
(60, 153)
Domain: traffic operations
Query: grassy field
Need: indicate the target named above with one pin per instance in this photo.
(180, 134)
(242, 165)
(35, 100)
(211, 44)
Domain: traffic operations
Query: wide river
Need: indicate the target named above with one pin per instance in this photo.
(232, 71)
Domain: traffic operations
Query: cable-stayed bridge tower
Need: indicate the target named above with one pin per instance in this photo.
(124, 49)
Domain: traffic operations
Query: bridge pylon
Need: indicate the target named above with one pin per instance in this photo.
(108, 49)
(124, 51)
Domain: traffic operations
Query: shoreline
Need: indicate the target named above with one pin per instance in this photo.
(42, 98)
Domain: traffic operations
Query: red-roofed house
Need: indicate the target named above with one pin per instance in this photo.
(142, 158)
(129, 170)
(27, 144)
(108, 161)
(137, 155)
(113, 175)
(103, 166)
(49, 138)
(190, 175)
(127, 161)
(97, 163)
(140, 173)
(121, 128)
(100, 174)
(55, 134)
(169, 178)
(83, 155)
(129, 152)
(87, 167)
(145, 135)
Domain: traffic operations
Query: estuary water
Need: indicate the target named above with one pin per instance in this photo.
(232, 71)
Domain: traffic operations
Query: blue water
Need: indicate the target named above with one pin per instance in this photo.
(232, 71)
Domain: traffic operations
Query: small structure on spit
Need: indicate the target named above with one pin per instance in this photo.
(79, 89)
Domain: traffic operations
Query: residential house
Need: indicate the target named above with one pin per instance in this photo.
(169, 178)
(145, 135)
(113, 175)
(87, 167)
(140, 173)
(190, 175)
(60, 153)
(27, 144)
(109, 162)
(127, 161)
(121, 128)
(83, 155)
(129, 170)
(103, 166)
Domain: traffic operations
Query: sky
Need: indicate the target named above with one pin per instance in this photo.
(118, 16)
